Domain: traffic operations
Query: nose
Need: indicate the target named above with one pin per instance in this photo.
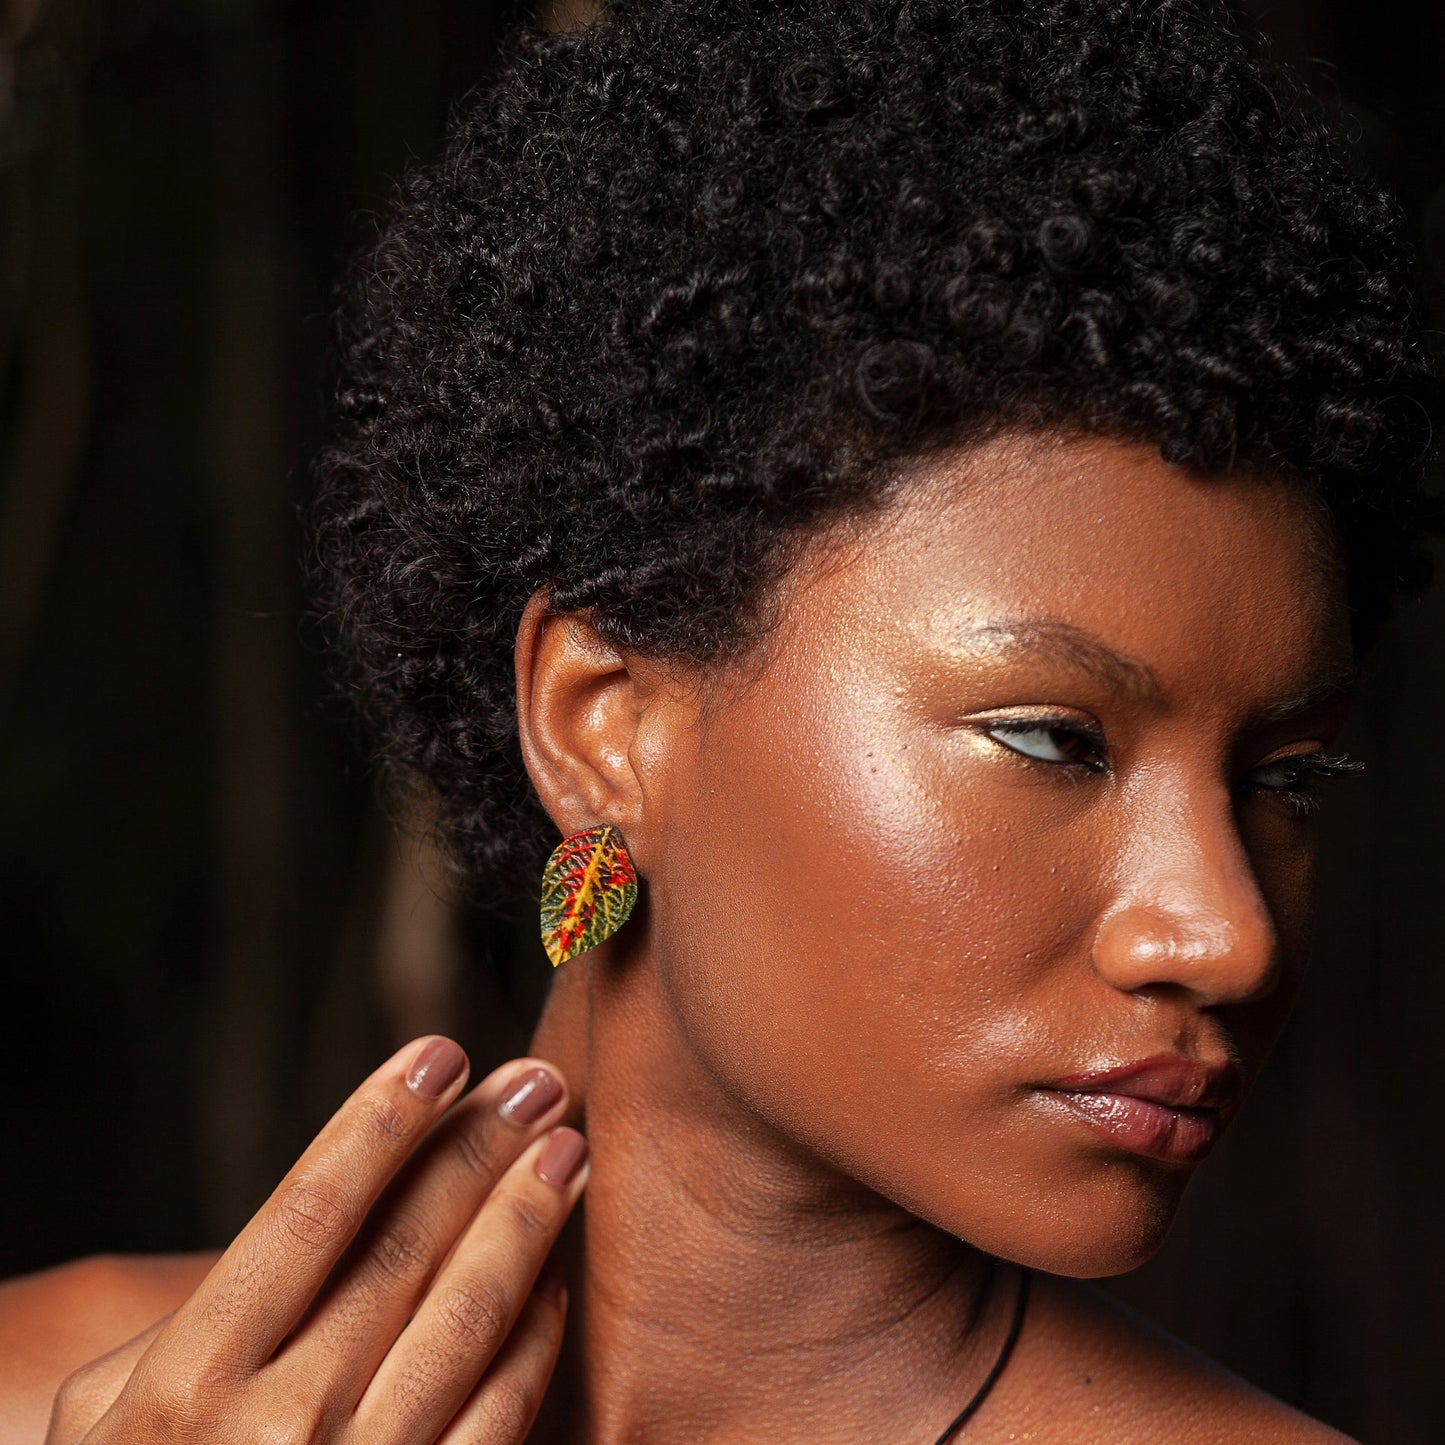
(1191, 914)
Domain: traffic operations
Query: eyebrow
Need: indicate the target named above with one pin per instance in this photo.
(1069, 644)
(1135, 679)
(1338, 683)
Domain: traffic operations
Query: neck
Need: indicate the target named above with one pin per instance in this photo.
(729, 1285)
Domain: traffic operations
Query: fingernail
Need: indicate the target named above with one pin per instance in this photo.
(439, 1063)
(530, 1096)
(561, 1157)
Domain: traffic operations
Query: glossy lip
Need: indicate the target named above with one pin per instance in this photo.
(1165, 1107)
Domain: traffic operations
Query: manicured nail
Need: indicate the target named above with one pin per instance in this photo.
(439, 1063)
(530, 1096)
(561, 1157)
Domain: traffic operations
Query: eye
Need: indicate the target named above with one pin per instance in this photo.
(1065, 743)
(1297, 779)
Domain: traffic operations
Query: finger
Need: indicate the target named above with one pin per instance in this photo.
(259, 1288)
(88, 1393)
(474, 1302)
(419, 1217)
(503, 1407)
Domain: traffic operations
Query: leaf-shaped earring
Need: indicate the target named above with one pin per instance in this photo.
(588, 891)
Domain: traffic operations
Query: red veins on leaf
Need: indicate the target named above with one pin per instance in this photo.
(588, 892)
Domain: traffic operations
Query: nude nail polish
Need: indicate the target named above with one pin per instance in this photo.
(438, 1064)
(529, 1096)
(562, 1157)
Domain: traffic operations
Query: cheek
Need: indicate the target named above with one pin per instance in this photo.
(884, 955)
(865, 889)
(1281, 852)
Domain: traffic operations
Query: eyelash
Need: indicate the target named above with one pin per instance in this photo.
(1309, 769)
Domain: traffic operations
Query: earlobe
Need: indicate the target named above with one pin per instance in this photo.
(579, 702)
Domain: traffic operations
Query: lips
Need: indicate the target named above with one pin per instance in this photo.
(1165, 1107)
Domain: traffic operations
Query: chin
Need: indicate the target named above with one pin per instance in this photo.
(1098, 1255)
(1090, 1228)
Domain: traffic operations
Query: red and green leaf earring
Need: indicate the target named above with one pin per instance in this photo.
(588, 890)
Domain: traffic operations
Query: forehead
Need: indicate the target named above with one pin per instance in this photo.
(1230, 582)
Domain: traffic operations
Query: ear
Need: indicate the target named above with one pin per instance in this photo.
(581, 709)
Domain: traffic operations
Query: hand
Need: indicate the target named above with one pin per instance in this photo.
(388, 1291)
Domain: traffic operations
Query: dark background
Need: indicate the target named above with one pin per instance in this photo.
(209, 932)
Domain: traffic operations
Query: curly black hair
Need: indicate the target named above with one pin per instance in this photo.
(688, 283)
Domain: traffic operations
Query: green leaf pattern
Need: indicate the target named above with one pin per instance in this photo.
(588, 891)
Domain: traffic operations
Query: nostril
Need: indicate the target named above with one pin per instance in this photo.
(1223, 959)
(1135, 947)
(1146, 945)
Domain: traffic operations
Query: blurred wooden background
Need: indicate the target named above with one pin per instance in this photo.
(208, 932)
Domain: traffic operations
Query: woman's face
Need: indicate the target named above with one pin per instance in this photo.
(1006, 804)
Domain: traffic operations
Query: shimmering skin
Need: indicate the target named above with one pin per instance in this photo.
(912, 925)
(870, 932)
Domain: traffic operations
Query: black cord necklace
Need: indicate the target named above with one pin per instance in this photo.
(966, 1414)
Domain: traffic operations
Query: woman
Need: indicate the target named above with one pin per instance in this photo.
(922, 475)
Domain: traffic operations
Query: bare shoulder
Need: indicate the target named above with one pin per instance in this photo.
(1091, 1370)
(53, 1322)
